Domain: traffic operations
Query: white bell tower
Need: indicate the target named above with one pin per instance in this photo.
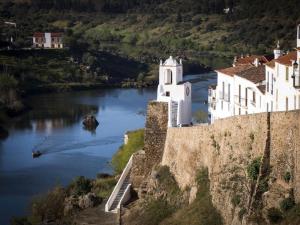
(177, 93)
(277, 51)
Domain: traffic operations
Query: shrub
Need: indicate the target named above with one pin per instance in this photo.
(49, 206)
(286, 204)
(80, 186)
(274, 215)
(236, 200)
(287, 177)
(242, 212)
(104, 186)
(253, 169)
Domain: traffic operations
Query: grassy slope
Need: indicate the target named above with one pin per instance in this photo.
(135, 143)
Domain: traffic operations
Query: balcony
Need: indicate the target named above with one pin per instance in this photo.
(241, 102)
(224, 96)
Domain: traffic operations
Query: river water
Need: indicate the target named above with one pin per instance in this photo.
(54, 127)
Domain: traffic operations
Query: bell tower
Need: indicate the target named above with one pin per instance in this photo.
(173, 90)
(277, 51)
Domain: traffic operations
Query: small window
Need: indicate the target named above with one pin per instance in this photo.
(287, 73)
(286, 103)
(254, 97)
(168, 93)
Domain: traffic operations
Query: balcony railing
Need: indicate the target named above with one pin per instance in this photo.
(242, 102)
(224, 96)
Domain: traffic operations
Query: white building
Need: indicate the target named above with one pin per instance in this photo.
(47, 40)
(257, 84)
(177, 93)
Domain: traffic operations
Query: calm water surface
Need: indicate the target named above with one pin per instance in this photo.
(54, 127)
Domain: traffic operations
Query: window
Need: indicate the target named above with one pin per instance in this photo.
(287, 73)
(272, 83)
(286, 104)
(168, 76)
(246, 97)
(254, 97)
(271, 106)
(240, 90)
(223, 90)
(168, 93)
(268, 77)
(228, 92)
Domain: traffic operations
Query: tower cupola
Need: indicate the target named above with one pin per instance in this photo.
(277, 51)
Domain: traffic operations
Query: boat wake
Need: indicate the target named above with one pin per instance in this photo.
(58, 144)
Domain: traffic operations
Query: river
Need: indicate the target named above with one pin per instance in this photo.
(54, 127)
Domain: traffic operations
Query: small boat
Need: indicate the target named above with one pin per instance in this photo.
(36, 154)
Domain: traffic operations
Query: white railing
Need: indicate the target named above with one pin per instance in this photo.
(125, 197)
(118, 185)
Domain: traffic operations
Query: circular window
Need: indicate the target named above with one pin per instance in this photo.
(187, 91)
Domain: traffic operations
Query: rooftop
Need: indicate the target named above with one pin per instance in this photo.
(254, 74)
(287, 59)
(231, 71)
(262, 88)
(171, 62)
(262, 59)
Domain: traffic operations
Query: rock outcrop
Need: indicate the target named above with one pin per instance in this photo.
(90, 122)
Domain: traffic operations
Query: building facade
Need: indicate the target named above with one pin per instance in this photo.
(177, 93)
(47, 40)
(257, 84)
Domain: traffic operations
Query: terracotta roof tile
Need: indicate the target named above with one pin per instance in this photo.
(250, 59)
(38, 34)
(262, 88)
(56, 34)
(271, 64)
(287, 59)
(231, 71)
(254, 74)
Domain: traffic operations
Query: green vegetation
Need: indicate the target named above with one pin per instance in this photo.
(287, 176)
(103, 187)
(287, 204)
(201, 211)
(253, 169)
(201, 116)
(135, 143)
(80, 186)
(274, 215)
(52, 205)
(48, 207)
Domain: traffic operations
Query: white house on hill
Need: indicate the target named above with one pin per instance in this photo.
(257, 84)
(47, 40)
(177, 93)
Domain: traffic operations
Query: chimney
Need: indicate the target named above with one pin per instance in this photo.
(256, 62)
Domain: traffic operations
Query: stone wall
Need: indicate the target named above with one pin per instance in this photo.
(227, 147)
(155, 137)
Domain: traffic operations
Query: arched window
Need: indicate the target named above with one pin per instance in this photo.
(168, 76)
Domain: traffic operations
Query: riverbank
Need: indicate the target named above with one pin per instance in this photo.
(83, 199)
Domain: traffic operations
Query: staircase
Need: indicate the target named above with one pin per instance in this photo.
(174, 110)
(121, 192)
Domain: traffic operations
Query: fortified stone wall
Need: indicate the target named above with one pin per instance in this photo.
(227, 148)
(155, 137)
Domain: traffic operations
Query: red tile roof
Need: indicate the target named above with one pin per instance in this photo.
(271, 64)
(254, 74)
(250, 59)
(287, 59)
(38, 34)
(56, 34)
(231, 71)
(262, 88)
